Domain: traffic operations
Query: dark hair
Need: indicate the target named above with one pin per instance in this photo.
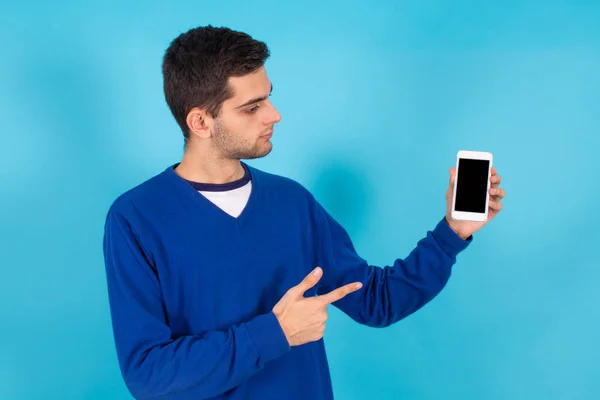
(198, 63)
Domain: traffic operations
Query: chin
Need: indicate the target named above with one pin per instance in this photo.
(258, 153)
(262, 153)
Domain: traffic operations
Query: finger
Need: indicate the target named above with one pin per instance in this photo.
(495, 179)
(309, 281)
(498, 193)
(340, 292)
(495, 205)
(452, 176)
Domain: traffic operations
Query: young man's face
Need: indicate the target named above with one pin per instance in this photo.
(245, 124)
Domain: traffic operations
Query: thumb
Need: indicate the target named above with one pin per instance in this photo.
(452, 176)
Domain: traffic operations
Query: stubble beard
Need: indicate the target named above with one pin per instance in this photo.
(235, 147)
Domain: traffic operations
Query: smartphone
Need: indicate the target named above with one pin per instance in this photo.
(472, 186)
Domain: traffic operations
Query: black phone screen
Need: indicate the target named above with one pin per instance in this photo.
(471, 185)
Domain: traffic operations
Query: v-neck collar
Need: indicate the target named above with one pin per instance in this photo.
(222, 187)
(189, 191)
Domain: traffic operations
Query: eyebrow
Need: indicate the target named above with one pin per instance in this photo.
(255, 100)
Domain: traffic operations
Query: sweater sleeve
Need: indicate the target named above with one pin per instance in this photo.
(389, 293)
(156, 365)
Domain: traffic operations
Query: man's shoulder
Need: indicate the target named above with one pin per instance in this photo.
(144, 195)
(280, 183)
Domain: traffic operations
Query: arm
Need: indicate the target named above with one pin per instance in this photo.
(391, 293)
(153, 363)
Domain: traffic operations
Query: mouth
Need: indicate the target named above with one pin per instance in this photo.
(268, 134)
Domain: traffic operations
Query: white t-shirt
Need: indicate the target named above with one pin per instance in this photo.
(231, 201)
(231, 197)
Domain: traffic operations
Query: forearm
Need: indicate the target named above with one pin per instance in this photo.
(200, 366)
(393, 292)
(397, 291)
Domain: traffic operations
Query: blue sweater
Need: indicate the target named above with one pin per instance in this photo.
(191, 288)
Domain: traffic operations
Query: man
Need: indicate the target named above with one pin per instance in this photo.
(219, 274)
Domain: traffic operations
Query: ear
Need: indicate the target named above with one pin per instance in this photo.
(199, 123)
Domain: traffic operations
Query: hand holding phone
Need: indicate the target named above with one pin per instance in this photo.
(471, 193)
(473, 197)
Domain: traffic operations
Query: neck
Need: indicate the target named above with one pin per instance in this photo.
(204, 167)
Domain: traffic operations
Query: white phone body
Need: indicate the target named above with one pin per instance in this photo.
(471, 193)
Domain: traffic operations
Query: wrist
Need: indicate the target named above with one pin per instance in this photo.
(456, 229)
(267, 336)
(283, 326)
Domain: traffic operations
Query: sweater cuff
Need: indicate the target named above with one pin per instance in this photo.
(268, 337)
(449, 240)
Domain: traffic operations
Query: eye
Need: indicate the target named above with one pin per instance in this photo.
(252, 110)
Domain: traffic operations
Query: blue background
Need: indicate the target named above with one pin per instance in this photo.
(376, 100)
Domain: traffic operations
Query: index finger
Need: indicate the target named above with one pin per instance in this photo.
(340, 292)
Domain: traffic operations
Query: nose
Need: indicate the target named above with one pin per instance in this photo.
(273, 116)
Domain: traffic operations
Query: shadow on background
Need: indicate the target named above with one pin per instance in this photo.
(342, 188)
